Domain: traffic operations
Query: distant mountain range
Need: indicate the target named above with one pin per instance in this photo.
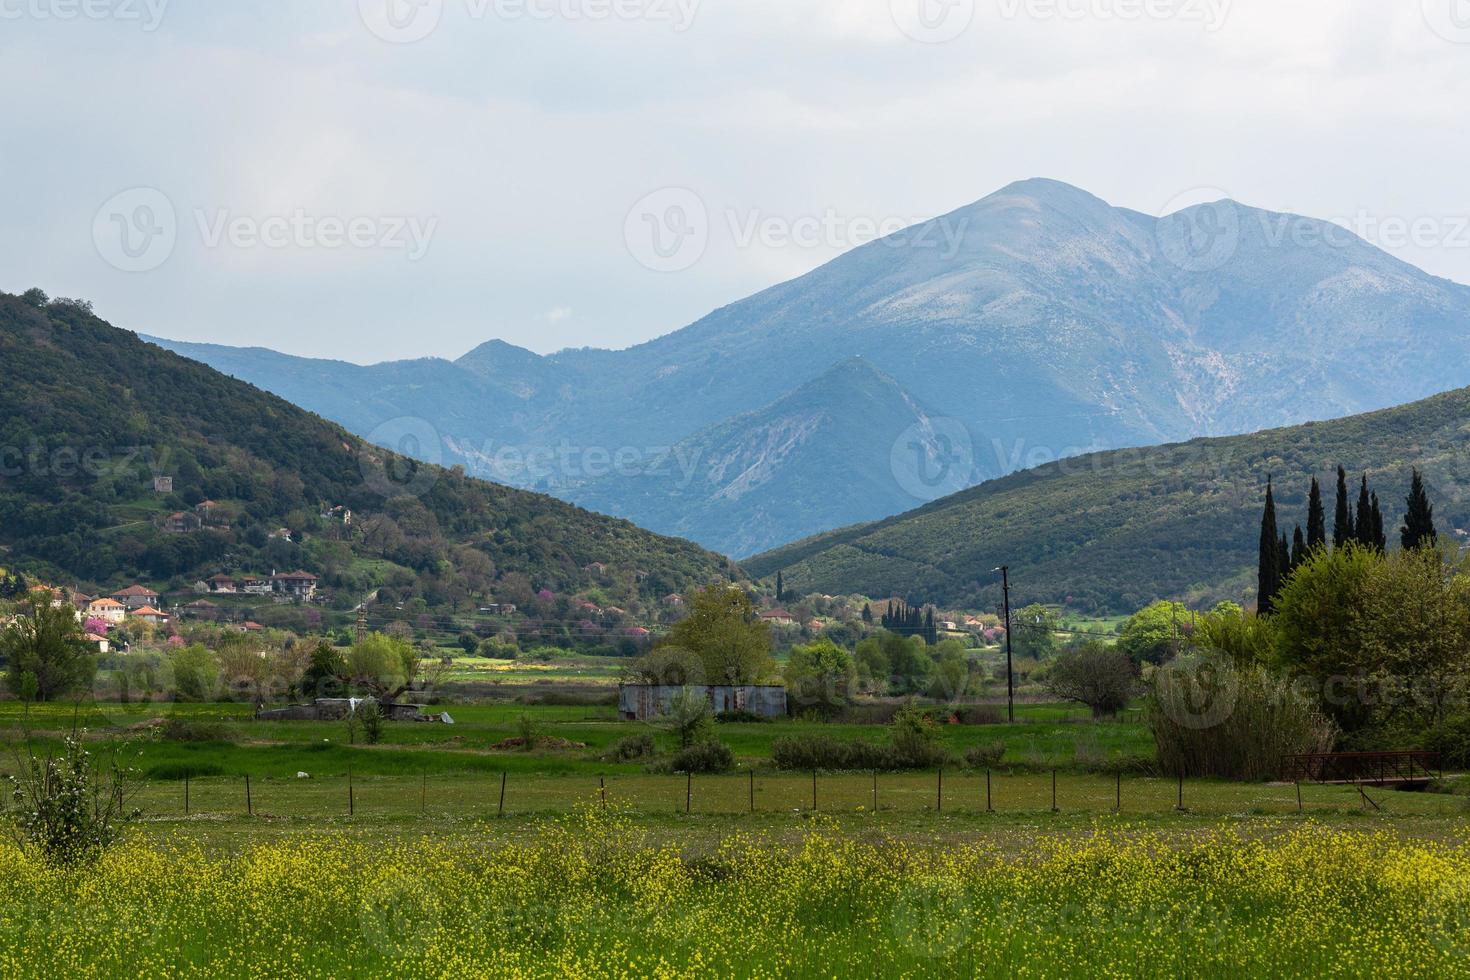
(1111, 532)
(90, 416)
(1035, 324)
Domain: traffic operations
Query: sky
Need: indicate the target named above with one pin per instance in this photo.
(383, 179)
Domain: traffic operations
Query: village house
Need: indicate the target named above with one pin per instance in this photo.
(221, 584)
(100, 642)
(105, 609)
(150, 615)
(136, 597)
(778, 617)
(253, 585)
(182, 522)
(297, 585)
(163, 484)
(202, 609)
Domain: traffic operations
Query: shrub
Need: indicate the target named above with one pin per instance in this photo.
(371, 717)
(1210, 718)
(528, 732)
(985, 756)
(741, 717)
(804, 752)
(631, 747)
(68, 808)
(978, 714)
(691, 718)
(1451, 739)
(916, 740)
(1101, 677)
(709, 756)
(179, 730)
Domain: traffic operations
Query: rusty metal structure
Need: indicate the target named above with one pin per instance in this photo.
(1406, 769)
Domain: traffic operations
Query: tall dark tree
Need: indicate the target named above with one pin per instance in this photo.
(867, 614)
(1316, 518)
(1363, 523)
(1418, 530)
(780, 587)
(1298, 548)
(1342, 520)
(1268, 577)
(1380, 542)
(1283, 558)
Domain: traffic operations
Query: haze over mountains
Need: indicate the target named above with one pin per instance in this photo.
(1037, 323)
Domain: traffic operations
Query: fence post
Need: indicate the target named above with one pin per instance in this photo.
(752, 791)
(186, 792)
(602, 789)
(351, 803)
(1180, 806)
(249, 807)
(424, 793)
(875, 791)
(1298, 796)
(988, 807)
(688, 793)
(500, 810)
(1119, 805)
(1053, 791)
(939, 798)
(814, 790)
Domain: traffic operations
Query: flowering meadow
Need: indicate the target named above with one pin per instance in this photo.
(594, 895)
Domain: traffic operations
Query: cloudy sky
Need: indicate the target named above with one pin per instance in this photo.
(372, 179)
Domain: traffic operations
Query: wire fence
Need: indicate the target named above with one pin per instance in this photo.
(511, 794)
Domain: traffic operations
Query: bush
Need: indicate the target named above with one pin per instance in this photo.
(985, 756)
(704, 757)
(691, 718)
(1101, 677)
(178, 730)
(371, 717)
(803, 752)
(1451, 739)
(978, 714)
(631, 747)
(916, 740)
(68, 808)
(741, 717)
(1210, 718)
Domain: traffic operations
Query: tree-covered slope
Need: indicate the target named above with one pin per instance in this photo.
(1112, 531)
(90, 414)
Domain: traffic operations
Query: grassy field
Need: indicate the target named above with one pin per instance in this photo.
(415, 864)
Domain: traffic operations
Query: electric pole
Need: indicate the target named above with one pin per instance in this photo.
(1005, 584)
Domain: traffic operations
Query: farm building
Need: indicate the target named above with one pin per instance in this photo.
(644, 702)
(335, 709)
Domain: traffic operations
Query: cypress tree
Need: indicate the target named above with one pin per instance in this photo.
(1316, 518)
(1298, 548)
(1283, 560)
(867, 614)
(1418, 530)
(1342, 521)
(1363, 526)
(1268, 576)
(1379, 540)
(780, 587)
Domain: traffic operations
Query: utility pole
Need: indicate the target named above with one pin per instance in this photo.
(1005, 584)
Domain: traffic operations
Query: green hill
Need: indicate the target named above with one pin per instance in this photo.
(1112, 531)
(90, 415)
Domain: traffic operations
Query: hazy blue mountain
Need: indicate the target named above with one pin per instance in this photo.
(755, 480)
(1037, 323)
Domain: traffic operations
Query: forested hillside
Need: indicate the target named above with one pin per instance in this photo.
(1113, 531)
(90, 415)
